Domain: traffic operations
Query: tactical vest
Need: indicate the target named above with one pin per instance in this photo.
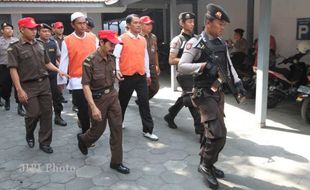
(51, 48)
(184, 38)
(216, 51)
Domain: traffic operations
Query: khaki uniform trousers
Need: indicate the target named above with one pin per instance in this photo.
(111, 111)
(39, 108)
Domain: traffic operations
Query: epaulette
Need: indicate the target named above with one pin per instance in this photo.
(11, 44)
(15, 42)
(199, 44)
(88, 59)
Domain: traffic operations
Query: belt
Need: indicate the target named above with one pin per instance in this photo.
(35, 80)
(106, 90)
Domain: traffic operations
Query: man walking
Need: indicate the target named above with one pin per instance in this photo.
(151, 41)
(177, 45)
(75, 48)
(5, 78)
(132, 66)
(98, 86)
(51, 45)
(28, 63)
(205, 57)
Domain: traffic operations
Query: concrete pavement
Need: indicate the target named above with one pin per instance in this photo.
(274, 158)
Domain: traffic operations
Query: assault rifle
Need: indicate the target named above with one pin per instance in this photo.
(212, 58)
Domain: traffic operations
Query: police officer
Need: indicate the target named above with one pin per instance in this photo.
(52, 48)
(28, 62)
(177, 45)
(151, 41)
(204, 57)
(5, 78)
(98, 86)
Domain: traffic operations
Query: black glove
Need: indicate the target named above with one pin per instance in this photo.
(211, 69)
(240, 88)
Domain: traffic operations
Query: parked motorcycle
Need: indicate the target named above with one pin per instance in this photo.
(304, 99)
(284, 82)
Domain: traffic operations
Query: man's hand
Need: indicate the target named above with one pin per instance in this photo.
(119, 76)
(157, 70)
(241, 90)
(22, 96)
(62, 74)
(211, 69)
(96, 113)
(149, 81)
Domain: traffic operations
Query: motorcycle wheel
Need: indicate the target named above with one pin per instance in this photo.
(305, 110)
(273, 99)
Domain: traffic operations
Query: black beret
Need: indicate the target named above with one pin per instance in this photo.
(44, 25)
(216, 12)
(90, 22)
(186, 15)
(5, 24)
(239, 31)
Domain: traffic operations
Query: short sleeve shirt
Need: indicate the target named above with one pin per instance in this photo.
(4, 44)
(98, 72)
(30, 59)
(175, 44)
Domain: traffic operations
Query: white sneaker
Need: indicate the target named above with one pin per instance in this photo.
(150, 136)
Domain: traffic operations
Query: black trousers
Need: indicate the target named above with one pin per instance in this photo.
(56, 96)
(5, 83)
(186, 83)
(79, 100)
(126, 87)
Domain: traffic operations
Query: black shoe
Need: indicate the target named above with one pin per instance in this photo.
(199, 130)
(46, 148)
(75, 109)
(120, 168)
(7, 105)
(59, 121)
(20, 110)
(30, 141)
(170, 122)
(218, 173)
(63, 101)
(83, 148)
(210, 176)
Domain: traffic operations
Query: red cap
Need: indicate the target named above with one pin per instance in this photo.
(146, 20)
(58, 25)
(27, 22)
(109, 35)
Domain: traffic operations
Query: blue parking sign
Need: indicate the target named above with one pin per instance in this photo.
(303, 29)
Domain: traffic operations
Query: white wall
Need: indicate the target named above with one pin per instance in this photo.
(283, 20)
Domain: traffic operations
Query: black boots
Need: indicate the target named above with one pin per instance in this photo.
(59, 121)
(7, 105)
(168, 118)
(211, 173)
(20, 110)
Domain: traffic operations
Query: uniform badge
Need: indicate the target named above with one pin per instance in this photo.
(189, 46)
(218, 15)
(173, 45)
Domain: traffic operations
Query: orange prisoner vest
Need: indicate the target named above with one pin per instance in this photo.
(78, 50)
(132, 55)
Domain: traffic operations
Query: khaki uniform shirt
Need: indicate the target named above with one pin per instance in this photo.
(4, 44)
(98, 72)
(152, 49)
(29, 59)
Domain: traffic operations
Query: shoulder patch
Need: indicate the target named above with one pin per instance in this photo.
(87, 61)
(189, 45)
